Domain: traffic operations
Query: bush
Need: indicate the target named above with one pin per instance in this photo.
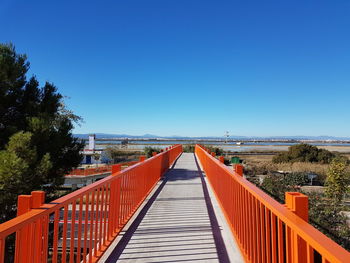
(337, 181)
(218, 151)
(116, 155)
(262, 168)
(227, 161)
(149, 150)
(304, 153)
(329, 219)
(277, 184)
(189, 148)
(252, 178)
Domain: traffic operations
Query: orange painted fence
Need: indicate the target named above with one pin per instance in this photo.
(90, 171)
(266, 230)
(79, 227)
(99, 170)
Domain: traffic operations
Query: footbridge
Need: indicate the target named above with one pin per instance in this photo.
(172, 207)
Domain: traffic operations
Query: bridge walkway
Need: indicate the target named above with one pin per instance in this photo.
(179, 222)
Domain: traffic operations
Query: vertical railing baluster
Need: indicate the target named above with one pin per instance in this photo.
(2, 249)
(79, 228)
(72, 232)
(86, 220)
(97, 218)
(92, 222)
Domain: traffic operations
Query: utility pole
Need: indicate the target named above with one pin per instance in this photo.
(226, 140)
(226, 135)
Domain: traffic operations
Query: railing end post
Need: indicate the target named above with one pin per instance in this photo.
(238, 168)
(298, 203)
(24, 204)
(38, 198)
(116, 168)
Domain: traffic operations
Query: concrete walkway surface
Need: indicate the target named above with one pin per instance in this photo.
(179, 222)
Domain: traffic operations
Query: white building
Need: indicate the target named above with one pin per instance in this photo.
(91, 154)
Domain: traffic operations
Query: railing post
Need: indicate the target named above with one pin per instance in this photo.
(114, 206)
(142, 158)
(41, 229)
(296, 247)
(24, 204)
(38, 198)
(222, 159)
(112, 217)
(23, 241)
(298, 203)
(116, 168)
(238, 168)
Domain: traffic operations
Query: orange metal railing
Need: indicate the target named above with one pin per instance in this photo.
(79, 227)
(90, 171)
(98, 170)
(266, 230)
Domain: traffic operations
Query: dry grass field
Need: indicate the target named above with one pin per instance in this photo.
(262, 164)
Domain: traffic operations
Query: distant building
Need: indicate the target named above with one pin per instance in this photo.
(91, 155)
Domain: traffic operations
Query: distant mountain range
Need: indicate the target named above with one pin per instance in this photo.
(233, 137)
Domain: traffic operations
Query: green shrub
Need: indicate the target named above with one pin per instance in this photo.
(329, 219)
(218, 151)
(189, 148)
(337, 181)
(304, 153)
(149, 150)
(277, 184)
(116, 155)
(227, 161)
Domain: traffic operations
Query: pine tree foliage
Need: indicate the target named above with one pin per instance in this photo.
(36, 143)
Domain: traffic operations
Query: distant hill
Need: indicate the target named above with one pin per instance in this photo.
(234, 137)
(111, 136)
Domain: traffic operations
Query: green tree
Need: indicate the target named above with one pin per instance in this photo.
(21, 170)
(337, 181)
(36, 143)
(304, 153)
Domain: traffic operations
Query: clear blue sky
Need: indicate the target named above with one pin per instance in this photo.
(192, 68)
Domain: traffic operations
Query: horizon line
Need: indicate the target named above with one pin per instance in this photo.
(209, 136)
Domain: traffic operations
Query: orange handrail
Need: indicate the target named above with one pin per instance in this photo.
(265, 230)
(90, 171)
(98, 170)
(79, 227)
